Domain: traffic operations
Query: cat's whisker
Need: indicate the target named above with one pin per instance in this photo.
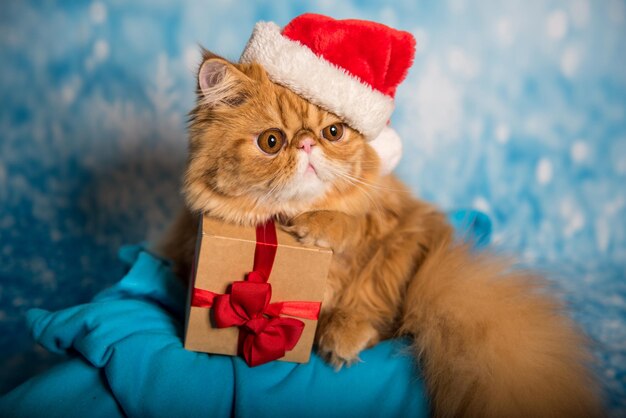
(376, 206)
(270, 194)
(364, 181)
(337, 171)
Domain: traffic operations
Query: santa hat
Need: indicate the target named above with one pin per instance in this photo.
(348, 67)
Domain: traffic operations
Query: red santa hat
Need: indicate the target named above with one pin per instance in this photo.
(349, 67)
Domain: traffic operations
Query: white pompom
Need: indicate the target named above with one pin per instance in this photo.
(388, 146)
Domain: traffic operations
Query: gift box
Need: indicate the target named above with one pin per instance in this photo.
(256, 292)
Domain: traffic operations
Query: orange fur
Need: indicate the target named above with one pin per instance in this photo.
(491, 341)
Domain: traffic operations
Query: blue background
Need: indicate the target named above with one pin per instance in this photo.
(516, 109)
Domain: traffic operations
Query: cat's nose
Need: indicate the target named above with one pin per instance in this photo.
(306, 143)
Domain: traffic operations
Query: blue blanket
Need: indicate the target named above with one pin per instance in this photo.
(126, 359)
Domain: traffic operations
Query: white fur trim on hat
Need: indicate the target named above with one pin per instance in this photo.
(388, 146)
(295, 66)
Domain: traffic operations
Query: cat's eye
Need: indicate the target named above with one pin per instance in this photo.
(333, 132)
(271, 141)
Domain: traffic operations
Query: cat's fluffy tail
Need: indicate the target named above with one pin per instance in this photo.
(493, 343)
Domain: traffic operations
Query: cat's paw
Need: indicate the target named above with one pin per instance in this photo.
(309, 228)
(342, 337)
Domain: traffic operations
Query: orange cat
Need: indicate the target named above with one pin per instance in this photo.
(490, 340)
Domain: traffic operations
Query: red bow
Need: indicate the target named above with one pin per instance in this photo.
(263, 334)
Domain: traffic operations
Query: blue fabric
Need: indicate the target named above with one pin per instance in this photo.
(73, 389)
(127, 359)
(471, 225)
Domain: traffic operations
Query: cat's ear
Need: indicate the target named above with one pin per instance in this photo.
(220, 82)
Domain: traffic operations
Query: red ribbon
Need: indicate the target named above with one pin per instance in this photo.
(264, 335)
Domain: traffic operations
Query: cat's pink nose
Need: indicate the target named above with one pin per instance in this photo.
(306, 143)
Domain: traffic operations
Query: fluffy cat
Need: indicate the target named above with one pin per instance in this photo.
(489, 338)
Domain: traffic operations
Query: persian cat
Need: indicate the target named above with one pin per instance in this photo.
(490, 340)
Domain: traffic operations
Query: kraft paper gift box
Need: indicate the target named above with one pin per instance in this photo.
(256, 292)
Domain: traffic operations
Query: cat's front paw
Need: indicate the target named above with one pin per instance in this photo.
(309, 228)
(342, 337)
